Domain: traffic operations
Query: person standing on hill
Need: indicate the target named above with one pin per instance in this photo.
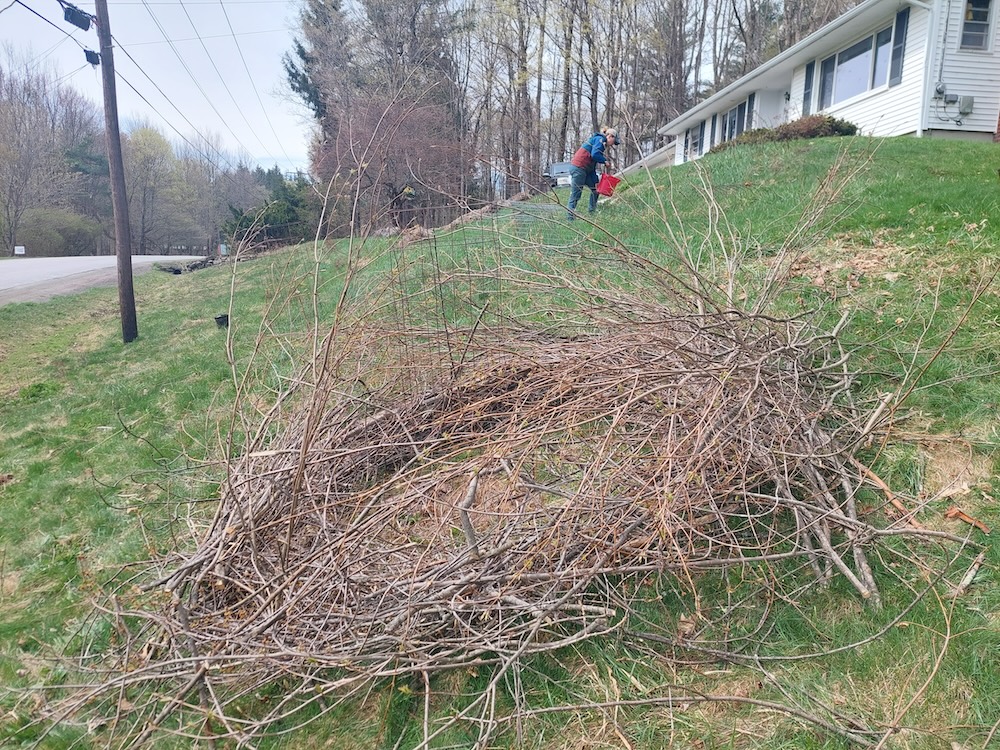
(584, 170)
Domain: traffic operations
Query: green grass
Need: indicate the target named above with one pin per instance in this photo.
(107, 444)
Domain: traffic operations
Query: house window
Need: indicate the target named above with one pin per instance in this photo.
(871, 63)
(694, 141)
(883, 52)
(729, 125)
(701, 138)
(738, 119)
(976, 24)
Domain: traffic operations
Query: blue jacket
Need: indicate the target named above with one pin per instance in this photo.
(591, 153)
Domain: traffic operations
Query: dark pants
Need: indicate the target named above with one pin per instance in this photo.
(580, 178)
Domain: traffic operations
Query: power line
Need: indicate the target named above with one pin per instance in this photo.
(194, 80)
(212, 36)
(223, 81)
(124, 80)
(170, 102)
(253, 85)
(205, 2)
(67, 76)
(60, 29)
(221, 156)
(54, 26)
(171, 126)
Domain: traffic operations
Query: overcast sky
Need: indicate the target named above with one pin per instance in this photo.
(210, 67)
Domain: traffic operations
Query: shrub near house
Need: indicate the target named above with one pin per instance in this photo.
(812, 126)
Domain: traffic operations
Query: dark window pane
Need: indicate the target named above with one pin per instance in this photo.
(898, 43)
(976, 24)
(807, 92)
(826, 82)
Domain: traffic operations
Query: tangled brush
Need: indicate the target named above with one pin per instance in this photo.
(475, 510)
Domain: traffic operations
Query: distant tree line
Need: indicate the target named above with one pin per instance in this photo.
(426, 107)
(189, 197)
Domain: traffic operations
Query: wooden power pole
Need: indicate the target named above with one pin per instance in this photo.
(119, 203)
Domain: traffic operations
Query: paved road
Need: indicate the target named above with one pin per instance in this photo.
(41, 279)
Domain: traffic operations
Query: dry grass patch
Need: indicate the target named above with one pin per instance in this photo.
(10, 581)
(953, 468)
(840, 266)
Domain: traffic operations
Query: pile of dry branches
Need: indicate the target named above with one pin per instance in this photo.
(475, 509)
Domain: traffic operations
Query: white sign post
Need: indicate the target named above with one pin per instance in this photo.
(19, 250)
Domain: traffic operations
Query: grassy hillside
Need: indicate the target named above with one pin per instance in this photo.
(112, 454)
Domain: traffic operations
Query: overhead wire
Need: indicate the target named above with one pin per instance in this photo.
(228, 175)
(201, 2)
(220, 155)
(50, 50)
(194, 80)
(54, 26)
(171, 103)
(67, 76)
(222, 80)
(212, 36)
(60, 29)
(252, 84)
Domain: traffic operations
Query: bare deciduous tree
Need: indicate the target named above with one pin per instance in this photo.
(32, 168)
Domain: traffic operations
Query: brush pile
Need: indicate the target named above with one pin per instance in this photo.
(476, 509)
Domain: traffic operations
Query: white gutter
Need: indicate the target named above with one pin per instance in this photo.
(929, 82)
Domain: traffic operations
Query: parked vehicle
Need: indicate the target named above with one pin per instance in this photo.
(557, 175)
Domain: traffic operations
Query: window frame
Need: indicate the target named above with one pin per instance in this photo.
(986, 26)
(823, 82)
(693, 145)
(737, 119)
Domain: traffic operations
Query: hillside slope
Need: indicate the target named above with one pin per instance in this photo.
(111, 455)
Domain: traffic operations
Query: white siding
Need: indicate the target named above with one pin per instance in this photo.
(772, 110)
(965, 73)
(796, 106)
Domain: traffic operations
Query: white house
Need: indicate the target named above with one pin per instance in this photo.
(891, 67)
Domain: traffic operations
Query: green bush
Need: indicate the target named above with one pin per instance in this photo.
(812, 126)
(57, 232)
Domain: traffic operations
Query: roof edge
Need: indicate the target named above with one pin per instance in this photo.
(778, 60)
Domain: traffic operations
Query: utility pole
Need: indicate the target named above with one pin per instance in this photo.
(119, 203)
